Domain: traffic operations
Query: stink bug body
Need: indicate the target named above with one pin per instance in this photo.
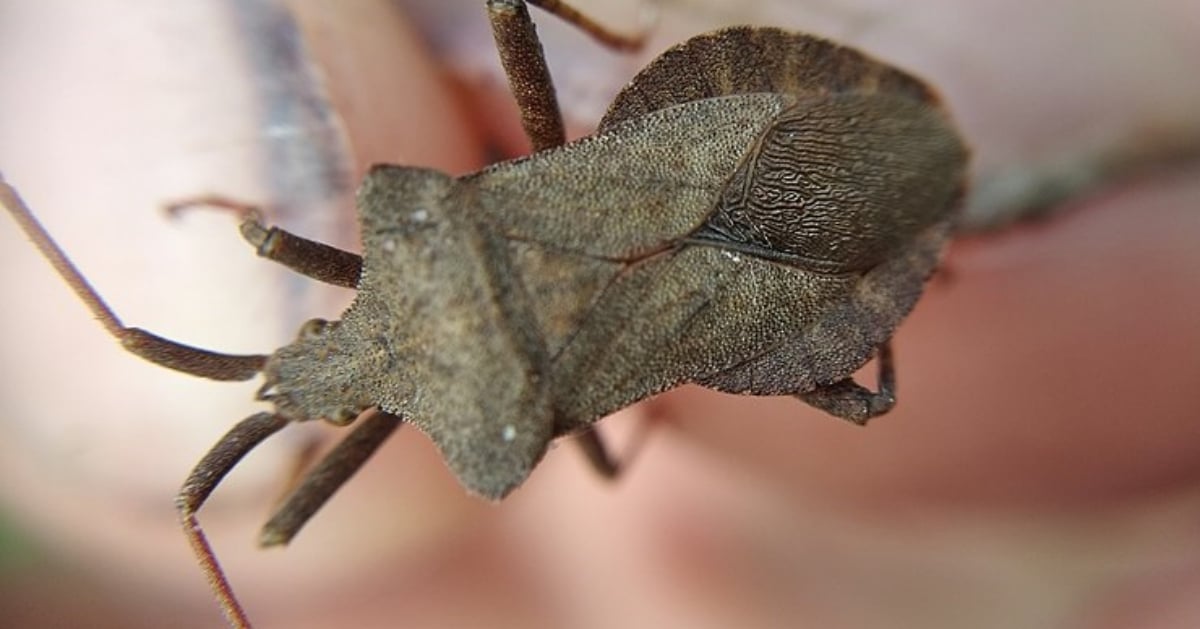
(756, 213)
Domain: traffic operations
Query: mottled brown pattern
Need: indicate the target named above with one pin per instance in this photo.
(761, 228)
(747, 60)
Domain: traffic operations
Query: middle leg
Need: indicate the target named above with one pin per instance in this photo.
(524, 62)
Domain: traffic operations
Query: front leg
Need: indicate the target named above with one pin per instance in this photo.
(313, 259)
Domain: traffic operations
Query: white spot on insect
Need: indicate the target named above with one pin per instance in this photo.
(389, 245)
(508, 433)
(732, 256)
(419, 216)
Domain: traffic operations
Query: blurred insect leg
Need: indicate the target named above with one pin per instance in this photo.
(571, 15)
(528, 77)
(1034, 191)
(154, 348)
(597, 453)
(600, 456)
(310, 258)
(853, 402)
(301, 460)
(330, 474)
(205, 477)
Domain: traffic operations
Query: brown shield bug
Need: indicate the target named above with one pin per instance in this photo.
(756, 213)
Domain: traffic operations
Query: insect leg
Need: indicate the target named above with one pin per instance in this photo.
(324, 480)
(597, 453)
(1038, 191)
(571, 15)
(528, 77)
(307, 257)
(600, 456)
(205, 477)
(853, 402)
(154, 348)
(525, 64)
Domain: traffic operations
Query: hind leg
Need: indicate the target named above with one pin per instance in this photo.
(853, 402)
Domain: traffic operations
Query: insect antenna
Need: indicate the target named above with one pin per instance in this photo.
(156, 349)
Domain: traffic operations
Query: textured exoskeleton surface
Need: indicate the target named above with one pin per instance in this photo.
(761, 227)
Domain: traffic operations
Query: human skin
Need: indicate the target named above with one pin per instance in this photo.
(1040, 470)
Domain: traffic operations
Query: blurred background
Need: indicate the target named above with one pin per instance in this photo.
(1042, 468)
